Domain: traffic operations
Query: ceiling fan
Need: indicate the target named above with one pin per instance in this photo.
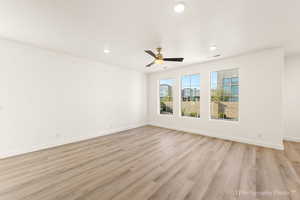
(159, 59)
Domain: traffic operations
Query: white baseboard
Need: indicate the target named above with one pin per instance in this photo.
(235, 139)
(291, 139)
(14, 152)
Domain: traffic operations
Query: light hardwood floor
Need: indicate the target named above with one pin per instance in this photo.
(153, 163)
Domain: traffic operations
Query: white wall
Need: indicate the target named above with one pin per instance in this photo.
(48, 99)
(292, 98)
(261, 99)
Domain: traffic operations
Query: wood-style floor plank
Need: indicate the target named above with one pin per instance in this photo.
(247, 186)
(152, 163)
(269, 181)
(226, 180)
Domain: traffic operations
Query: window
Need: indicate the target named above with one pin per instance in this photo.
(224, 90)
(190, 95)
(166, 96)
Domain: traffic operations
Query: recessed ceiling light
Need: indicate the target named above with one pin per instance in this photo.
(179, 7)
(213, 47)
(106, 51)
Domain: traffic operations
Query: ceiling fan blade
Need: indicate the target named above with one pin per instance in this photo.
(150, 53)
(174, 59)
(149, 65)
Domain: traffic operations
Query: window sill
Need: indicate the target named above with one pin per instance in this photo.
(224, 120)
(166, 115)
(187, 117)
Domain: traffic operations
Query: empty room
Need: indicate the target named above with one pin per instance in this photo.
(149, 100)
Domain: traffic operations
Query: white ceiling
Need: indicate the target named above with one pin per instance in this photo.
(127, 27)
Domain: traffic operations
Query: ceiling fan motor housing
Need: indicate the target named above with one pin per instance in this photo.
(159, 55)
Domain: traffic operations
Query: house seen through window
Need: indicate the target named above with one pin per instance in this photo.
(190, 95)
(166, 96)
(225, 95)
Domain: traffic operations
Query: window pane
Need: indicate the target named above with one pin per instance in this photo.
(166, 96)
(185, 82)
(235, 80)
(227, 81)
(235, 90)
(190, 95)
(225, 95)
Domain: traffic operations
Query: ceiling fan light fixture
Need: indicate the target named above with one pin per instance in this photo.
(179, 7)
(158, 61)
